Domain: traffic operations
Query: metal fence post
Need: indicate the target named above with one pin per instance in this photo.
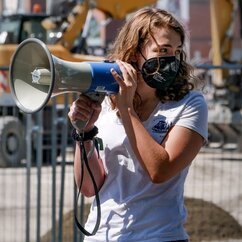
(39, 158)
(28, 173)
(63, 122)
(53, 162)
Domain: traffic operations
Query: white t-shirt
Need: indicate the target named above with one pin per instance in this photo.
(132, 207)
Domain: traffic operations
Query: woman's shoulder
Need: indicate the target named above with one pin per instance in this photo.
(194, 94)
(194, 98)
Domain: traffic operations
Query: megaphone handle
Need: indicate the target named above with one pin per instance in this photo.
(79, 125)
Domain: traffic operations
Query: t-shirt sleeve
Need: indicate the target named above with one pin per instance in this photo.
(195, 115)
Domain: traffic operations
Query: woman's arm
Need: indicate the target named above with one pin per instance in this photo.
(161, 161)
(96, 167)
(87, 110)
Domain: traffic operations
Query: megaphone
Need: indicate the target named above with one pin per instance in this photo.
(36, 76)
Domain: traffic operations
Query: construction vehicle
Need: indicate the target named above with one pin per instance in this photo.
(64, 37)
(223, 74)
(224, 86)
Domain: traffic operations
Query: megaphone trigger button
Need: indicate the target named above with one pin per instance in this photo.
(108, 61)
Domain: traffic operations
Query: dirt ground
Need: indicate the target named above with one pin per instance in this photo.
(206, 222)
(209, 222)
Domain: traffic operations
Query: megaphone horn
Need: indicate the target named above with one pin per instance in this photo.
(36, 76)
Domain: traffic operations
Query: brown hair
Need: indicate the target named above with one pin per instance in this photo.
(135, 33)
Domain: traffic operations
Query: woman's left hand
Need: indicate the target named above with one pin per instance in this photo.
(127, 85)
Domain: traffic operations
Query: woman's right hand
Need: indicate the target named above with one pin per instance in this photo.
(127, 85)
(86, 110)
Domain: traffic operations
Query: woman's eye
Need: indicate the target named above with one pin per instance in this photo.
(177, 53)
(163, 51)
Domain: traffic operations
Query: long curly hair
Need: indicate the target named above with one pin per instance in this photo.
(135, 33)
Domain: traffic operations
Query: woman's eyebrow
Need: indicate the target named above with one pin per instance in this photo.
(170, 46)
(160, 46)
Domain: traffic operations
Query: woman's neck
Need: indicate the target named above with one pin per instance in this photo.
(147, 107)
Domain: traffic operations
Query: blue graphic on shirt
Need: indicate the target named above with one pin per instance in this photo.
(161, 127)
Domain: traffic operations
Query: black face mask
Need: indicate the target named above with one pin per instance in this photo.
(160, 72)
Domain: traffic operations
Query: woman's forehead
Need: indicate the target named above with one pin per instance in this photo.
(165, 36)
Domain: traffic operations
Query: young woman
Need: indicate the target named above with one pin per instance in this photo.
(151, 132)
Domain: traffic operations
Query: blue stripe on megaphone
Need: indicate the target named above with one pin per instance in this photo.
(102, 78)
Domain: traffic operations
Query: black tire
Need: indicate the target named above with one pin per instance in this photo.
(12, 141)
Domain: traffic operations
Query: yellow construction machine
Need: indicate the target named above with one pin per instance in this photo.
(224, 86)
(63, 38)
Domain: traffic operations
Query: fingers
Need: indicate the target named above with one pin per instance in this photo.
(80, 109)
(83, 108)
(127, 85)
(129, 74)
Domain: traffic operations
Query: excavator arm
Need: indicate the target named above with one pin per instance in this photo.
(223, 13)
(116, 9)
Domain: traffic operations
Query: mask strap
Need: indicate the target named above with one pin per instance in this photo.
(142, 55)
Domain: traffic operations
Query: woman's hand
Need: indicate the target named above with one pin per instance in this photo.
(86, 110)
(127, 85)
